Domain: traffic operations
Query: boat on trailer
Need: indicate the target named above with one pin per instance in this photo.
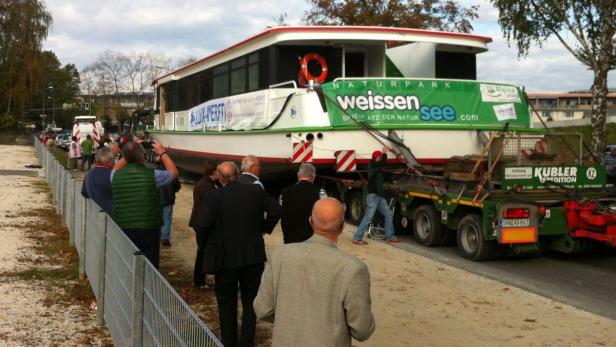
(331, 95)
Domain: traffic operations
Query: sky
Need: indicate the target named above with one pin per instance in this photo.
(195, 28)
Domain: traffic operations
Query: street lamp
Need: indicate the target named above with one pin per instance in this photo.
(53, 108)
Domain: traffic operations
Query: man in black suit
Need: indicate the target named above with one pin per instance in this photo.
(297, 202)
(232, 218)
(208, 183)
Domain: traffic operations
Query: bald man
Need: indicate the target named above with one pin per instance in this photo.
(316, 294)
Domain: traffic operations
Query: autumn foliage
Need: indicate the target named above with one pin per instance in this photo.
(418, 14)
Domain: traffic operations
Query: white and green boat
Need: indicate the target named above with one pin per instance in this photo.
(293, 94)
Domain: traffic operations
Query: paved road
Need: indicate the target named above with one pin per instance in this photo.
(584, 281)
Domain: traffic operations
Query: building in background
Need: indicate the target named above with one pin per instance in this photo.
(116, 108)
(567, 109)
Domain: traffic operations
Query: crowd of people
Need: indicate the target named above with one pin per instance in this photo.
(313, 292)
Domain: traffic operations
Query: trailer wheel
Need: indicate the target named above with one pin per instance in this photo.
(355, 207)
(471, 243)
(427, 226)
(403, 223)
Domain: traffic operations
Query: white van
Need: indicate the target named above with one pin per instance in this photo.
(88, 125)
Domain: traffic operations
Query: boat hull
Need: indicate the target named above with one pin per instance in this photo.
(275, 149)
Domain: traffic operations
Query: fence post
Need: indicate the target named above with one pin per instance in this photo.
(137, 312)
(72, 222)
(62, 192)
(53, 178)
(82, 245)
(58, 185)
(101, 256)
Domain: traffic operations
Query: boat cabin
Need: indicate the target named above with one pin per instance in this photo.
(283, 57)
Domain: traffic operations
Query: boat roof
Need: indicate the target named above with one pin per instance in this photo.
(328, 35)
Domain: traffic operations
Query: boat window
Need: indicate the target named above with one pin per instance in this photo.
(253, 72)
(238, 76)
(221, 81)
(455, 65)
(354, 64)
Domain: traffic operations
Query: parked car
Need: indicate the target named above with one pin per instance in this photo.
(63, 140)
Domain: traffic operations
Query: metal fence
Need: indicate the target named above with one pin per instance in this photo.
(134, 301)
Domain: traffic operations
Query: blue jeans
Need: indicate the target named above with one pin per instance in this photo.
(373, 202)
(167, 216)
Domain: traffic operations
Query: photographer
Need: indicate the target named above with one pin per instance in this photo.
(136, 196)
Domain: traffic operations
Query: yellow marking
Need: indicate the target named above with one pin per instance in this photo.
(422, 195)
(467, 203)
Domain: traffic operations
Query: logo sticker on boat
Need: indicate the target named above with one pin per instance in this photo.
(417, 102)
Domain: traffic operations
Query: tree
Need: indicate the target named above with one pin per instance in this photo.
(591, 25)
(23, 27)
(421, 14)
(58, 85)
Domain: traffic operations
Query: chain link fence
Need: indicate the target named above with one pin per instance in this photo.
(134, 301)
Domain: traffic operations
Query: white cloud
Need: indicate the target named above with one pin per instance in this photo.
(83, 29)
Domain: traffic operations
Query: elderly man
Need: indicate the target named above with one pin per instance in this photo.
(136, 197)
(233, 221)
(297, 202)
(318, 294)
(251, 168)
(96, 185)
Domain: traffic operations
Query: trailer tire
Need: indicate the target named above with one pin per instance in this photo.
(355, 207)
(402, 223)
(471, 243)
(427, 227)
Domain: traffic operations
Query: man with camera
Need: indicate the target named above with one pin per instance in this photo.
(136, 196)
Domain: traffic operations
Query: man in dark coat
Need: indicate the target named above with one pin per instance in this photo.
(297, 202)
(208, 183)
(96, 184)
(234, 224)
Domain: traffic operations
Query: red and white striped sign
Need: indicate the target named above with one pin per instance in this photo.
(345, 161)
(76, 131)
(302, 152)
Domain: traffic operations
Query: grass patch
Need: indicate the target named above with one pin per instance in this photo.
(51, 244)
(62, 157)
(54, 264)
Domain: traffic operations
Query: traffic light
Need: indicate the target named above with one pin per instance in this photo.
(86, 106)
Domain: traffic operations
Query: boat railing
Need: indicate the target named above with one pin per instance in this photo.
(283, 84)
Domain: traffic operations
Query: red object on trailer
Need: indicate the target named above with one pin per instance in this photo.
(585, 220)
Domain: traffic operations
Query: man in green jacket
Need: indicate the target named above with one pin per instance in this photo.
(87, 152)
(136, 197)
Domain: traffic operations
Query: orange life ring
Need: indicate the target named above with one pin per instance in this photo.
(305, 75)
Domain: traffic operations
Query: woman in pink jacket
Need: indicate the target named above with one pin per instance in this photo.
(74, 152)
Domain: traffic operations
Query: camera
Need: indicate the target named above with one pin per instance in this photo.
(147, 144)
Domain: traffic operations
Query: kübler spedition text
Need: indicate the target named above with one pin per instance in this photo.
(371, 102)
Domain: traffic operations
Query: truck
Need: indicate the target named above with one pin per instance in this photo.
(527, 192)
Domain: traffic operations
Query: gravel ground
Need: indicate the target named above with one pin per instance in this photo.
(30, 312)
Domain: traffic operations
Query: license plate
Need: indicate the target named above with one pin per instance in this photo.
(508, 223)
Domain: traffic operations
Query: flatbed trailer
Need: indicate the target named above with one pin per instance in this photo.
(525, 207)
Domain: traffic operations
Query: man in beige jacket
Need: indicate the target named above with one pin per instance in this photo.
(318, 294)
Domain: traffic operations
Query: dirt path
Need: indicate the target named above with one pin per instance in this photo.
(417, 301)
(35, 309)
